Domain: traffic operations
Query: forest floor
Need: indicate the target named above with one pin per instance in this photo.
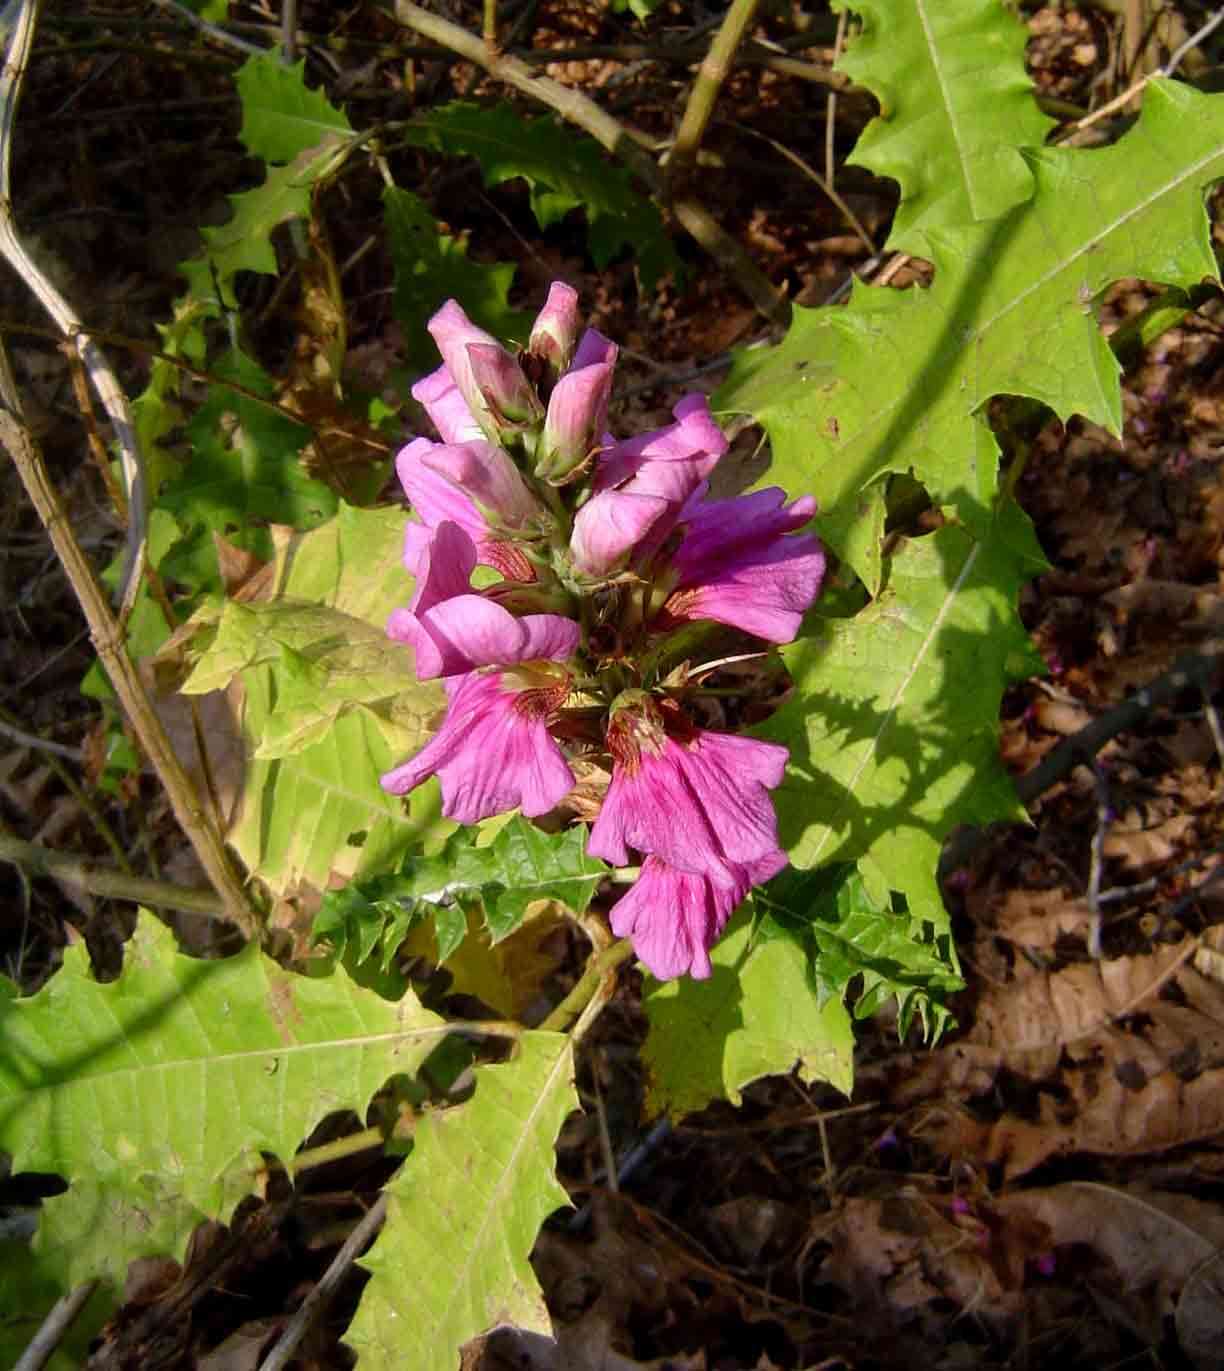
(1047, 1184)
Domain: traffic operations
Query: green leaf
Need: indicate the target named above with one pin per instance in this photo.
(521, 865)
(245, 242)
(564, 171)
(154, 1095)
(281, 116)
(893, 724)
(757, 1015)
(244, 472)
(957, 108)
(861, 950)
(430, 268)
(899, 380)
(463, 1214)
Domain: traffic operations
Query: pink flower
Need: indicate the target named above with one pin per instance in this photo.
(426, 470)
(695, 799)
(667, 466)
(494, 751)
(440, 396)
(556, 328)
(488, 378)
(454, 630)
(577, 411)
(675, 917)
(737, 565)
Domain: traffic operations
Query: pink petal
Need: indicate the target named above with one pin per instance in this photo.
(489, 755)
(674, 917)
(609, 526)
(440, 396)
(556, 327)
(433, 497)
(486, 475)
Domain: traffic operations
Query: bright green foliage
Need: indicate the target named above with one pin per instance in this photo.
(244, 473)
(281, 116)
(431, 268)
(154, 1095)
(464, 1210)
(521, 865)
(897, 380)
(892, 728)
(564, 170)
(757, 1015)
(854, 941)
(330, 705)
(957, 108)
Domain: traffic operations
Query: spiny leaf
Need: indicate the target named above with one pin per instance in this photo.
(463, 1214)
(898, 380)
(564, 170)
(155, 1094)
(861, 950)
(430, 268)
(245, 242)
(892, 727)
(281, 116)
(521, 866)
(757, 1015)
(957, 108)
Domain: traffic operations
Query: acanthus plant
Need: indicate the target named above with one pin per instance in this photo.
(613, 560)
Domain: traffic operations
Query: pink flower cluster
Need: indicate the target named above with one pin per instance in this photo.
(606, 550)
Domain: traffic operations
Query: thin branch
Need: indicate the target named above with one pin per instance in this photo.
(111, 885)
(1105, 817)
(107, 637)
(19, 735)
(212, 31)
(611, 134)
(101, 375)
(711, 75)
(1197, 670)
(1175, 61)
(289, 18)
(321, 1296)
(54, 1328)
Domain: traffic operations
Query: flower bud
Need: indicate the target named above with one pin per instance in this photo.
(489, 478)
(555, 330)
(508, 396)
(574, 424)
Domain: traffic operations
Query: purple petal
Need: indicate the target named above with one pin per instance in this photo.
(739, 563)
(674, 917)
(490, 756)
(594, 350)
(440, 396)
(444, 569)
(702, 806)
(454, 333)
(609, 526)
(547, 637)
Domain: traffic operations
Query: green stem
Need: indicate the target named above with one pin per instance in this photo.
(710, 78)
(364, 1141)
(598, 976)
(114, 885)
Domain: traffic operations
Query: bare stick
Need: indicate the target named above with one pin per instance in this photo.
(710, 78)
(102, 377)
(54, 1327)
(213, 31)
(1105, 816)
(611, 134)
(319, 1298)
(1175, 61)
(114, 885)
(288, 32)
(19, 735)
(1196, 670)
(107, 637)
